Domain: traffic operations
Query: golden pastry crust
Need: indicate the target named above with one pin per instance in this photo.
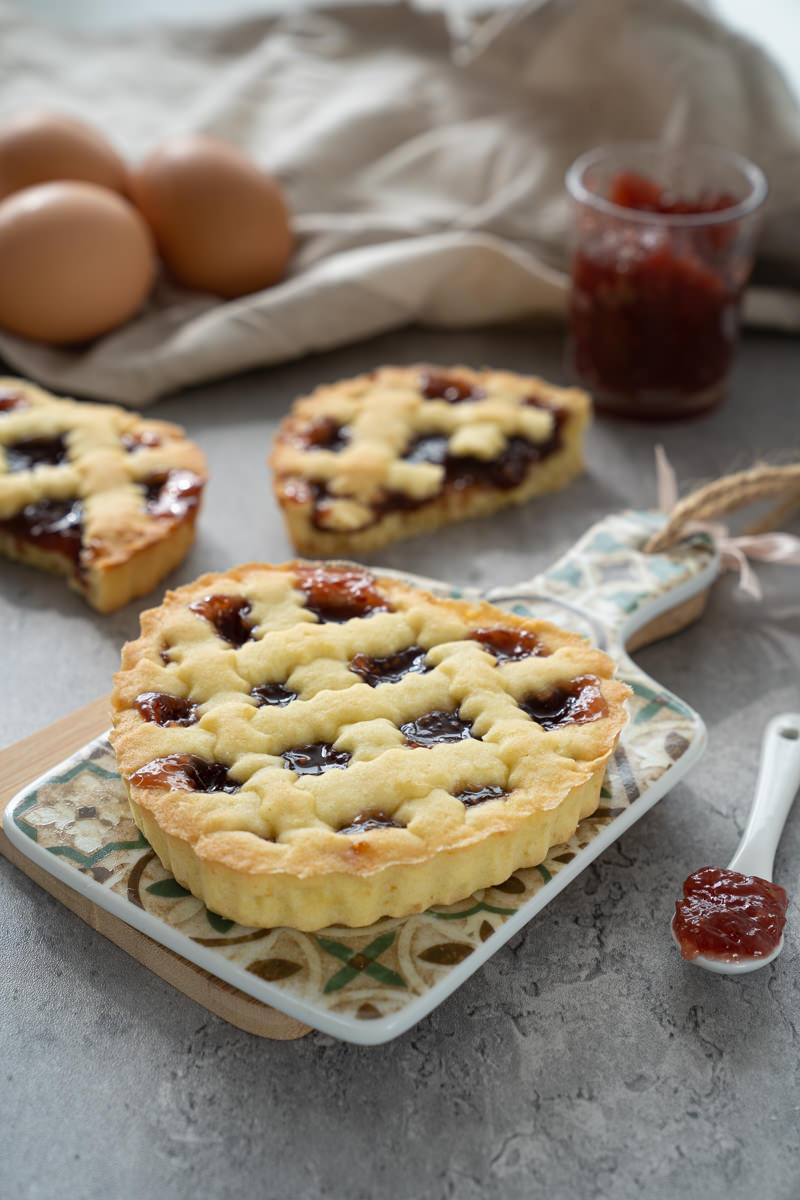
(254, 680)
(94, 492)
(361, 463)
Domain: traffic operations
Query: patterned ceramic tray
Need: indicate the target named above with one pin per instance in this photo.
(369, 985)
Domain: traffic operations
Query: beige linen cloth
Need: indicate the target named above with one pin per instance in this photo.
(425, 169)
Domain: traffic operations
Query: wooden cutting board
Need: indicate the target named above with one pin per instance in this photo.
(31, 757)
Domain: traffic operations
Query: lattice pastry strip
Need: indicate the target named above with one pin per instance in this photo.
(406, 449)
(95, 492)
(310, 744)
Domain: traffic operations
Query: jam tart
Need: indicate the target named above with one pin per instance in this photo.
(95, 493)
(404, 450)
(310, 744)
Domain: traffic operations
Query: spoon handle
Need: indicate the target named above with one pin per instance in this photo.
(778, 781)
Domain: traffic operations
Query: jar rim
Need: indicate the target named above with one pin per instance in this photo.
(576, 187)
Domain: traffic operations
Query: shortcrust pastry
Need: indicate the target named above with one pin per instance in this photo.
(404, 450)
(310, 744)
(94, 492)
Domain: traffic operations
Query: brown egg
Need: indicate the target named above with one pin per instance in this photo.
(37, 146)
(75, 259)
(221, 224)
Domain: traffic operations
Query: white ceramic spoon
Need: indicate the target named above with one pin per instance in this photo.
(778, 781)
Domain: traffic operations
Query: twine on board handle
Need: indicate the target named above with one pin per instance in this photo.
(696, 513)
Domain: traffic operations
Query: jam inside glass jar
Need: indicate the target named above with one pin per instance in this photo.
(663, 246)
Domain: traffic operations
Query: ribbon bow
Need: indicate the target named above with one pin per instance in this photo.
(734, 552)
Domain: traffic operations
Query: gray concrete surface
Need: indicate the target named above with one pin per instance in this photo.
(586, 1059)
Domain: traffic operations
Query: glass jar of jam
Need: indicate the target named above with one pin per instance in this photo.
(663, 245)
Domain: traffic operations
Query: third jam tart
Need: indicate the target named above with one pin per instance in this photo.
(94, 492)
(323, 745)
(404, 450)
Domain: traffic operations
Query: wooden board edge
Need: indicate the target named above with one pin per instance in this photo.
(36, 754)
(669, 622)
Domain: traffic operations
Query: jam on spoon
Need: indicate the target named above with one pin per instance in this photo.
(731, 920)
(728, 915)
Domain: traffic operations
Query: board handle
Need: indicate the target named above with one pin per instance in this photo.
(609, 589)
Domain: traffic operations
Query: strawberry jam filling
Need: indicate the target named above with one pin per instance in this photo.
(366, 821)
(392, 667)
(52, 525)
(36, 452)
(469, 797)
(437, 385)
(172, 493)
(185, 773)
(324, 433)
(509, 644)
(164, 709)
(315, 758)
(273, 693)
(573, 703)
(10, 400)
(227, 614)
(506, 471)
(434, 727)
(338, 594)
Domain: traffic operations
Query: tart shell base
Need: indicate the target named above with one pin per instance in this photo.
(266, 900)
